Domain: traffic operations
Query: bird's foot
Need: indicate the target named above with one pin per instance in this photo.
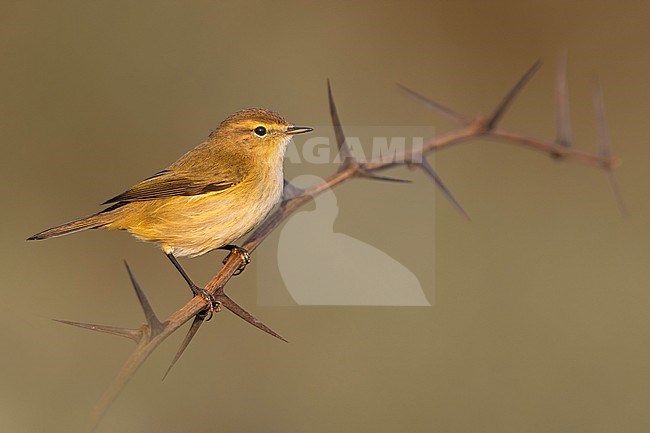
(241, 252)
(214, 306)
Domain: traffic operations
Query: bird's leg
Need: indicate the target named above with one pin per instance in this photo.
(245, 255)
(212, 302)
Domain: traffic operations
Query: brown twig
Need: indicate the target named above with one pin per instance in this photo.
(149, 335)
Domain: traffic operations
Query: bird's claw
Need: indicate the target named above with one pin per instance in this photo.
(214, 306)
(241, 252)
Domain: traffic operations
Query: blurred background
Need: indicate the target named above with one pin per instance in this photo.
(539, 319)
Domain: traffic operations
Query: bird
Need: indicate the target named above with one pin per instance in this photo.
(207, 199)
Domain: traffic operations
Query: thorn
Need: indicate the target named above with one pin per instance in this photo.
(613, 184)
(510, 96)
(370, 175)
(133, 334)
(196, 324)
(154, 324)
(290, 191)
(344, 150)
(435, 106)
(562, 103)
(605, 146)
(428, 169)
(248, 317)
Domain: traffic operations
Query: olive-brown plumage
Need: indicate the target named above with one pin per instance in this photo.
(210, 196)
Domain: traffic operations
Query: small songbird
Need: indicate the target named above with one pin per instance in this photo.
(211, 196)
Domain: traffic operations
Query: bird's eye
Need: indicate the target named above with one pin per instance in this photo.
(260, 131)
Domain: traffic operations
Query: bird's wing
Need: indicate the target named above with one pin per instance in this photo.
(169, 183)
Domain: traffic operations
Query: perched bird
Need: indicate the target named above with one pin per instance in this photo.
(209, 197)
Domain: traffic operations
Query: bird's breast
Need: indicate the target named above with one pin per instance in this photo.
(194, 225)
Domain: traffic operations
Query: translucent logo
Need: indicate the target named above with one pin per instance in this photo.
(322, 267)
(323, 255)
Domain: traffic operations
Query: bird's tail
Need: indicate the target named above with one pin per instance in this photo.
(90, 222)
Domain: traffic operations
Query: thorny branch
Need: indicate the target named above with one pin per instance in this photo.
(149, 335)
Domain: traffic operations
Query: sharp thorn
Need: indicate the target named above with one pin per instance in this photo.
(290, 191)
(428, 169)
(562, 103)
(133, 334)
(196, 324)
(613, 184)
(152, 320)
(370, 175)
(245, 315)
(344, 150)
(510, 96)
(435, 106)
(605, 146)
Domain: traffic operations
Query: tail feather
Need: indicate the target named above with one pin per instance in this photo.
(85, 223)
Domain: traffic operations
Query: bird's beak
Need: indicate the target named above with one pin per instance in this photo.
(293, 130)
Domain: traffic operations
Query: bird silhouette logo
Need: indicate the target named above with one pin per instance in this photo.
(322, 267)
